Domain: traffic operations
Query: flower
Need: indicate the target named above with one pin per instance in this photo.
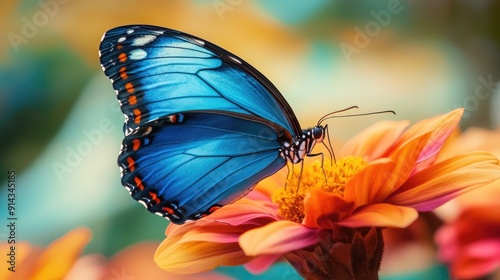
(469, 242)
(334, 212)
(53, 262)
(62, 259)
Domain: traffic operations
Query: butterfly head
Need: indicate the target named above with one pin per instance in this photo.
(318, 133)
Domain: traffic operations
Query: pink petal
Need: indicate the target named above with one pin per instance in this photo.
(380, 215)
(445, 180)
(245, 211)
(261, 263)
(441, 128)
(489, 248)
(204, 234)
(278, 238)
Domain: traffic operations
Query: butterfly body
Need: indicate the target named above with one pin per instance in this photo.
(202, 126)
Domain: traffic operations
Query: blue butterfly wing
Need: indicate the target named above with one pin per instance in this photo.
(157, 72)
(185, 165)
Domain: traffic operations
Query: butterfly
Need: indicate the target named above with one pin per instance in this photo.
(202, 126)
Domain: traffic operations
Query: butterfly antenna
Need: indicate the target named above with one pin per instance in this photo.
(331, 116)
(361, 114)
(335, 112)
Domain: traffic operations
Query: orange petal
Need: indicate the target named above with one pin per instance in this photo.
(323, 209)
(26, 256)
(278, 238)
(135, 262)
(369, 185)
(445, 180)
(380, 215)
(195, 257)
(374, 141)
(441, 127)
(60, 255)
(379, 179)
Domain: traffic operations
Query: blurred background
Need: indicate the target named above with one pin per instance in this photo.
(62, 127)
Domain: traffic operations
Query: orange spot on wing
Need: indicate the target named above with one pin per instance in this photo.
(154, 197)
(122, 57)
(137, 144)
(132, 100)
(137, 114)
(138, 183)
(174, 118)
(213, 209)
(119, 47)
(131, 163)
(168, 210)
(123, 72)
(129, 87)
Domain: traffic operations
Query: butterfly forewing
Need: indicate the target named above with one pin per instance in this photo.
(158, 72)
(202, 126)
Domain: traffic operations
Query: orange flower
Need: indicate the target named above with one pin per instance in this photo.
(62, 260)
(384, 177)
(53, 262)
(470, 240)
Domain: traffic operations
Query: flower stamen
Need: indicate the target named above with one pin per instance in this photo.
(290, 200)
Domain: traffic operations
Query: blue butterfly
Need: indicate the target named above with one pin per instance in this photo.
(202, 126)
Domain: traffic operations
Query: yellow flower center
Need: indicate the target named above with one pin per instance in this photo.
(290, 199)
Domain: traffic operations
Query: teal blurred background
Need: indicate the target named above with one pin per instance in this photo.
(62, 128)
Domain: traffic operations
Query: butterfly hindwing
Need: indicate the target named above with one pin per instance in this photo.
(158, 72)
(183, 165)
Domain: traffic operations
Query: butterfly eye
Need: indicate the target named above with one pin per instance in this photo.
(318, 133)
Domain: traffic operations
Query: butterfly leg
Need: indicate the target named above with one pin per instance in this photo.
(322, 162)
(329, 147)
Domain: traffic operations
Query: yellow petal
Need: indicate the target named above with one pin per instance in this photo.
(59, 257)
(445, 180)
(278, 238)
(381, 215)
(195, 257)
(374, 141)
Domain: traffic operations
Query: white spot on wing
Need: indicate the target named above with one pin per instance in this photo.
(143, 203)
(130, 31)
(199, 42)
(121, 39)
(138, 54)
(148, 130)
(235, 59)
(143, 40)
